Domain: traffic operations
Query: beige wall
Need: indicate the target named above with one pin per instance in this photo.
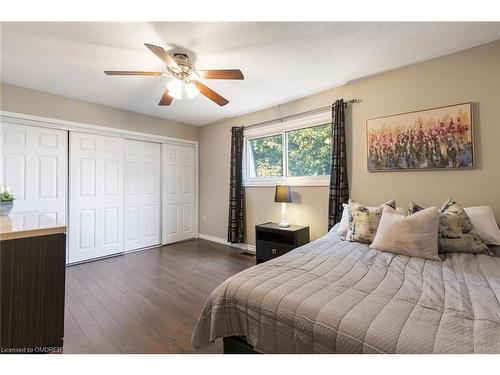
(471, 75)
(22, 100)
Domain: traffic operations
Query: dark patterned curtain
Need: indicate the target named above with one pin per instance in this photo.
(236, 225)
(339, 185)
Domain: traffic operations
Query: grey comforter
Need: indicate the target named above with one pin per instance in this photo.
(333, 296)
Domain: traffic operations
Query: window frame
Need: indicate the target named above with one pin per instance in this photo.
(282, 128)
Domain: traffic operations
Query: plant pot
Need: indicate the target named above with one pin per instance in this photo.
(5, 208)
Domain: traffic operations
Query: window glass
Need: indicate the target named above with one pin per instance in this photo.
(266, 159)
(309, 151)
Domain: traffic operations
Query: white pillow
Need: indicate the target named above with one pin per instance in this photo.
(344, 222)
(483, 220)
(403, 211)
(414, 235)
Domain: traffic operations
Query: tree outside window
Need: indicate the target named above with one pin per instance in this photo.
(309, 151)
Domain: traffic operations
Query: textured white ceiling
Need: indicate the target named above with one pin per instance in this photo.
(281, 61)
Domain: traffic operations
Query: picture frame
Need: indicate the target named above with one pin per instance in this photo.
(440, 138)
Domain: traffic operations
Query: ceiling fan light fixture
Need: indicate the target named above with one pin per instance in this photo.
(175, 88)
(185, 79)
(191, 90)
(194, 75)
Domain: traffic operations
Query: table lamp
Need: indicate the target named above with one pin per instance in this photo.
(283, 195)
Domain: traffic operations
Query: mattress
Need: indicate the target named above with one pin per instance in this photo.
(334, 296)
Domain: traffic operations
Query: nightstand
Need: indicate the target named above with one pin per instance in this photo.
(272, 241)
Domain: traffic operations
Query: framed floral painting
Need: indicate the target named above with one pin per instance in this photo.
(437, 138)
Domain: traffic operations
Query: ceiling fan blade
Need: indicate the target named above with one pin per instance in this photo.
(211, 94)
(165, 99)
(163, 55)
(221, 74)
(130, 73)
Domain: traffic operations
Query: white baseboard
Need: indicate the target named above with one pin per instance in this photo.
(243, 246)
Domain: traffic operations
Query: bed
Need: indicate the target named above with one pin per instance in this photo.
(334, 296)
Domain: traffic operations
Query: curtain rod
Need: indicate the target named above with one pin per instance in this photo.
(321, 109)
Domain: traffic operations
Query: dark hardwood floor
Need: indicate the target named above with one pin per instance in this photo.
(145, 302)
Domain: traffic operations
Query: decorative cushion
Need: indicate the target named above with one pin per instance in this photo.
(344, 222)
(413, 208)
(415, 235)
(456, 232)
(402, 211)
(494, 250)
(484, 222)
(363, 221)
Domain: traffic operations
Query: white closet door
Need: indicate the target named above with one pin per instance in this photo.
(96, 196)
(179, 187)
(142, 194)
(33, 166)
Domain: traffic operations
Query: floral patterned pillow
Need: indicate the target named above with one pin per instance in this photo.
(456, 232)
(413, 207)
(363, 221)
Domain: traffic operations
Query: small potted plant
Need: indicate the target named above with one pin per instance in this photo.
(6, 201)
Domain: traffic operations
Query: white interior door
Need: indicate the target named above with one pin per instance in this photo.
(34, 167)
(142, 194)
(179, 193)
(96, 196)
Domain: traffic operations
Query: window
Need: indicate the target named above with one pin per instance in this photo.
(267, 156)
(295, 153)
(309, 151)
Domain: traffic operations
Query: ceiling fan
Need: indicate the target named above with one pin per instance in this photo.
(186, 78)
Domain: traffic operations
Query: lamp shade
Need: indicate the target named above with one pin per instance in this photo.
(282, 194)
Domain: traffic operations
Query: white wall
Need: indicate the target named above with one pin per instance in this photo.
(31, 102)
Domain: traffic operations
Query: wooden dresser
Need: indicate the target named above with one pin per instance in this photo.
(32, 279)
